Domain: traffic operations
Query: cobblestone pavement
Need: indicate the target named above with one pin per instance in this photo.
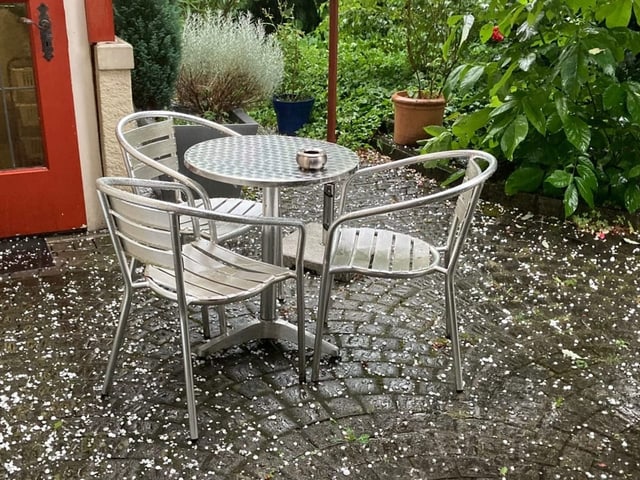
(551, 335)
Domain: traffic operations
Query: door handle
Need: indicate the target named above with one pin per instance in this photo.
(44, 25)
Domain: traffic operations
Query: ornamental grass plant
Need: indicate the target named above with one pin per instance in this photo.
(228, 62)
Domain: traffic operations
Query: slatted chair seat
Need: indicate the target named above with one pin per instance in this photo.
(382, 253)
(214, 275)
(358, 242)
(233, 206)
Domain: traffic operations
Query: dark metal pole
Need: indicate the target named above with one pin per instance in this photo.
(332, 93)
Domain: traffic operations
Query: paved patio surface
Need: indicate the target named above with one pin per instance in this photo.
(551, 335)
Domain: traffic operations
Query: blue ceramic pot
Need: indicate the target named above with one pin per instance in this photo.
(292, 114)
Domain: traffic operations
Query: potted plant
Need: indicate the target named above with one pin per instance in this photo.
(292, 103)
(434, 39)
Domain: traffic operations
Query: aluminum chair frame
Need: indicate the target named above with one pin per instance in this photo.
(391, 254)
(148, 144)
(186, 268)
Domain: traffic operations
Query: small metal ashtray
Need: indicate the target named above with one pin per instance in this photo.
(311, 159)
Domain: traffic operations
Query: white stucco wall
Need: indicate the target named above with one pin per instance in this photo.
(85, 108)
(101, 82)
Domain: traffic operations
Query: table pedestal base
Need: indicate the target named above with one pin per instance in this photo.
(255, 330)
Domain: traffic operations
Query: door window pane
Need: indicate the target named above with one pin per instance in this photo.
(20, 134)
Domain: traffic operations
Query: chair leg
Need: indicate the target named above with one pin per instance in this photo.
(302, 371)
(206, 321)
(125, 308)
(452, 324)
(326, 280)
(206, 328)
(188, 370)
(448, 295)
(222, 320)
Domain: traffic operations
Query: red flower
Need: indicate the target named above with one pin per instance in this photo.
(497, 36)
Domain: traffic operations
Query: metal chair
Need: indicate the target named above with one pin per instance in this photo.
(150, 150)
(186, 268)
(357, 244)
(149, 143)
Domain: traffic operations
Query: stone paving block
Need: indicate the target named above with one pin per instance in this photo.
(277, 424)
(253, 389)
(378, 403)
(366, 356)
(355, 341)
(360, 386)
(382, 369)
(321, 435)
(385, 343)
(307, 413)
(344, 407)
(330, 389)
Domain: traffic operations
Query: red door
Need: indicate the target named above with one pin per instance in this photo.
(40, 179)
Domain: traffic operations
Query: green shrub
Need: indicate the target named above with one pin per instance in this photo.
(188, 7)
(554, 96)
(371, 65)
(304, 11)
(152, 27)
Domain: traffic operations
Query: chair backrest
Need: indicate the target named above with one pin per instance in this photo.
(157, 141)
(142, 228)
(148, 141)
(464, 209)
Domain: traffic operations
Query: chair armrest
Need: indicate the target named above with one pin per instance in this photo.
(191, 210)
(115, 183)
(439, 196)
(169, 172)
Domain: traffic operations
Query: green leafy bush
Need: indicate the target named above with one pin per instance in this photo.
(434, 39)
(305, 12)
(152, 27)
(371, 65)
(227, 7)
(290, 37)
(549, 93)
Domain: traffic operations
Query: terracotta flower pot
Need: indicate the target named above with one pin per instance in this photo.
(413, 114)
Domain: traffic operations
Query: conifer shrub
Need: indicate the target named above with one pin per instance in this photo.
(153, 28)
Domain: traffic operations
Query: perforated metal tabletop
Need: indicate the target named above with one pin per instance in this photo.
(267, 161)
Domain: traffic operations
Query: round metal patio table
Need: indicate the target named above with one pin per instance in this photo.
(269, 162)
